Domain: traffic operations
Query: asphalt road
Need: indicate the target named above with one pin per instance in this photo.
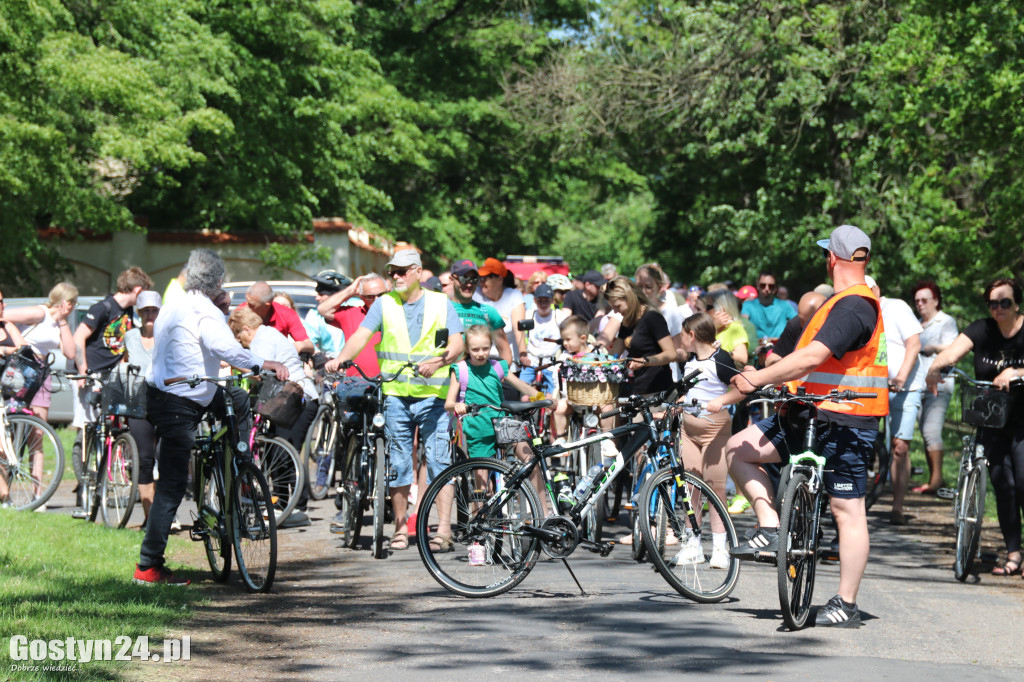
(340, 614)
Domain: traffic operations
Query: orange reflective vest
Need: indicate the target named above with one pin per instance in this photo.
(865, 370)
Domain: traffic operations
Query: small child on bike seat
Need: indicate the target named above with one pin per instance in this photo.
(574, 332)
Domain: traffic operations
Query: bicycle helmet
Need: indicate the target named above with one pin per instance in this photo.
(331, 280)
(559, 283)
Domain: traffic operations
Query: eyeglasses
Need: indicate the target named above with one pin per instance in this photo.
(1004, 303)
(769, 287)
(398, 272)
(468, 280)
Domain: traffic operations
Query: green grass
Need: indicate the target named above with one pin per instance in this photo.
(60, 578)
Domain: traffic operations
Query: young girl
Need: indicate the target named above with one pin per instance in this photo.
(703, 438)
(479, 380)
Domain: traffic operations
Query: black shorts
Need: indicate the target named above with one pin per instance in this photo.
(847, 453)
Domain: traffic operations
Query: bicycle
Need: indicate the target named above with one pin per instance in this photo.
(233, 501)
(982, 406)
(281, 466)
(109, 465)
(495, 514)
(803, 501)
(31, 458)
(365, 478)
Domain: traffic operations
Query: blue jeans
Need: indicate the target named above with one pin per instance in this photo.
(403, 416)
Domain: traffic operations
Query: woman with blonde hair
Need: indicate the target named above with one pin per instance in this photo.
(643, 336)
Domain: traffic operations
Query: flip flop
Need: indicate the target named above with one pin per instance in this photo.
(925, 490)
(1005, 568)
(402, 538)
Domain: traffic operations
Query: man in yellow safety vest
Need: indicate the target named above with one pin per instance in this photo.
(408, 319)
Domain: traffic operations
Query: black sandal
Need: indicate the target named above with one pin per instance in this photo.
(1005, 569)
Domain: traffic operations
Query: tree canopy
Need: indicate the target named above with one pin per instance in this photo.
(717, 138)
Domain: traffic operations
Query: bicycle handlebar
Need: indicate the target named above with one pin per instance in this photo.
(780, 394)
(231, 378)
(971, 380)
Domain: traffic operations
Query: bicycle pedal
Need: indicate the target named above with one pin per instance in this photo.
(946, 493)
(766, 558)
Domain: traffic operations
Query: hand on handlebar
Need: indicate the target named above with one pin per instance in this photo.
(429, 366)
(333, 366)
(279, 370)
(460, 409)
(1004, 378)
(747, 385)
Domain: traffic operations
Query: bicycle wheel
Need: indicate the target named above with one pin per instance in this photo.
(797, 551)
(210, 521)
(457, 497)
(318, 453)
(968, 522)
(281, 466)
(34, 465)
(380, 493)
(119, 483)
(349, 497)
(95, 462)
(878, 472)
(693, 512)
(254, 529)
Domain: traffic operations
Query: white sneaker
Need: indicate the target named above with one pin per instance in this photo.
(691, 553)
(175, 524)
(40, 508)
(719, 558)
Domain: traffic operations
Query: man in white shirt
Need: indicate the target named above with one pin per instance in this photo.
(903, 342)
(192, 339)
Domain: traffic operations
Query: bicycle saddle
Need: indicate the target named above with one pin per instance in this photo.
(519, 407)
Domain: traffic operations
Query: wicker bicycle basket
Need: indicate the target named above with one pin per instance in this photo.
(984, 406)
(592, 382)
(124, 393)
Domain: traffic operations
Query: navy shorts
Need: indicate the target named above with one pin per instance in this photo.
(847, 453)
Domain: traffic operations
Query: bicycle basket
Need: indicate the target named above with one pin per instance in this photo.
(355, 393)
(124, 393)
(280, 401)
(23, 375)
(984, 406)
(508, 431)
(592, 382)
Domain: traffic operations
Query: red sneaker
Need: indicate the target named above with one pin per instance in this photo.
(158, 574)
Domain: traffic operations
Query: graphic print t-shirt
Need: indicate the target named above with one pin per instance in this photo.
(109, 323)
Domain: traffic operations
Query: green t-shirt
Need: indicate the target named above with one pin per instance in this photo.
(483, 387)
(732, 336)
(478, 313)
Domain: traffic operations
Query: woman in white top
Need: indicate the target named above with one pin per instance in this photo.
(939, 332)
(138, 344)
(703, 436)
(508, 301)
(45, 328)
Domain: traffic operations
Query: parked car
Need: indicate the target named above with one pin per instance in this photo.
(62, 409)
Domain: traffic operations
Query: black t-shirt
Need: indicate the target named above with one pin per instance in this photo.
(849, 327)
(109, 323)
(641, 340)
(786, 343)
(993, 353)
(580, 305)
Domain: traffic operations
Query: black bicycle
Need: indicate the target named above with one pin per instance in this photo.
(481, 526)
(233, 501)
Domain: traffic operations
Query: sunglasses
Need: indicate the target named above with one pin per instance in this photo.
(855, 259)
(769, 287)
(1004, 303)
(468, 280)
(398, 272)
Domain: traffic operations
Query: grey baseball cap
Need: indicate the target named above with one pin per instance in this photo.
(845, 240)
(405, 258)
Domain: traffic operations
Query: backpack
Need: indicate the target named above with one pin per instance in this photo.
(463, 370)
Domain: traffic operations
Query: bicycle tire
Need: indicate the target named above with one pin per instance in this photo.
(216, 539)
(95, 463)
(797, 557)
(508, 558)
(254, 529)
(972, 514)
(350, 494)
(878, 473)
(282, 468)
(31, 480)
(695, 580)
(320, 442)
(119, 484)
(380, 484)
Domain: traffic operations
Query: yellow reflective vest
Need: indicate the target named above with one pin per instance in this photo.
(395, 348)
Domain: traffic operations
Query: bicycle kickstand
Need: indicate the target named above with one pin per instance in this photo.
(582, 591)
